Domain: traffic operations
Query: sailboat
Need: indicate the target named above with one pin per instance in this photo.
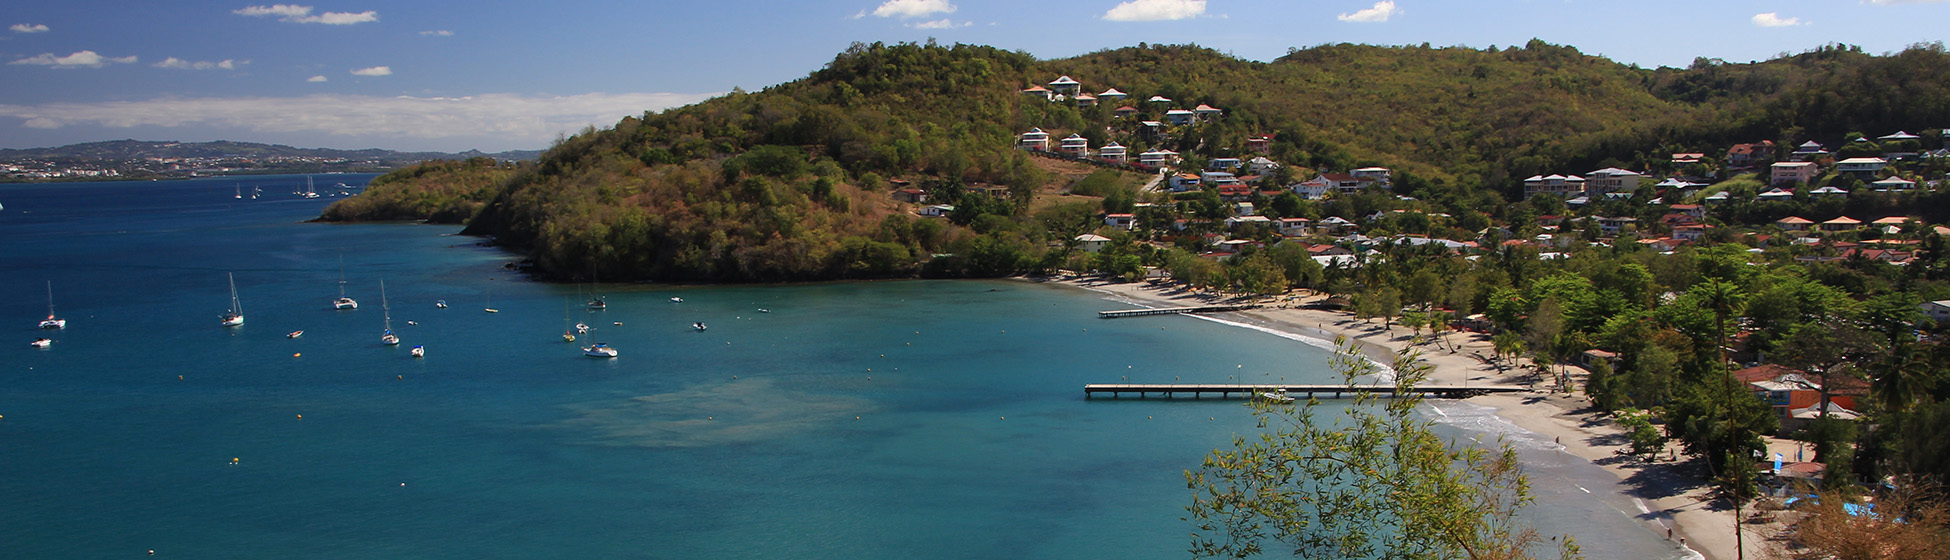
(490, 303)
(255, 191)
(343, 301)
(599, 350)
(309, 193)
(419, 351)
(235, 316)
(596, 302)
(240, 191)
(389, 338)
(51, 322)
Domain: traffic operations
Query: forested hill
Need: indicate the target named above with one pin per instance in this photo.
(791, 182)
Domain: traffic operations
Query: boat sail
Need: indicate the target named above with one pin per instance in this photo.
(309, 193)
(51, 322)
(389, 338)
(235, 316)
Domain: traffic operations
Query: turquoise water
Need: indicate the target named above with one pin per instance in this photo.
(914, 419)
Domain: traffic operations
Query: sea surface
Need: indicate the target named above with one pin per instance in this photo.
(869, 420)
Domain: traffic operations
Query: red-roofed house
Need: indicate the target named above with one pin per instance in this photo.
(914, 196)
(1749, 155)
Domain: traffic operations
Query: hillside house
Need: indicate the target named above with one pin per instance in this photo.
(1564, 186)
(1898, 153)
(1381, 176)
(1344, 183)
(1180, 117)
(1123, 111)
(1893, 184)
(1777, 194)
(1261, 165)
(1075, 145)
(1085, 100)
(1862, 167)
(1219, 178)
(1612, 180)
(1184, 182)
(1121, 221)
(935, 210)
(1792, 172)
(1689, 232)
(1035, 139)
(1696, 211)
(1794, 223)
(1112, 152)
(911, 196)
(1223, 164)
(1843, 223)
(1687, 158)
(1611, 226)
(1206, 112)
(1040, 91)
(1112, 96)
(1157, 158)
(1259, 144)
(1938, 311)
(1151, 129)
(1091, 243)
(1717, 197)
(1809, 151)
(1743, 156)
(1158, 100)
(1295, 227)
(1066, 86)
(1311, 189)
(1830, 190)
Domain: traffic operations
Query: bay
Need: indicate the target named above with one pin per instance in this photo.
(937, 419)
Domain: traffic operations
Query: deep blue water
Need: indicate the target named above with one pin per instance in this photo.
(912, 419)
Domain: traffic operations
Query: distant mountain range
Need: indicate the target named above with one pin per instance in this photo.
(124, 150)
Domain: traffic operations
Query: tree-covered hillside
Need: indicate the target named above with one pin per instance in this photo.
(793, 182)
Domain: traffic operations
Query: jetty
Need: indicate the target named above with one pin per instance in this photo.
(1173, 310)
(1244, 391)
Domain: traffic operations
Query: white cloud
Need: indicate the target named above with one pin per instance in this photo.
(1156, 10)
(940, 24)
(302, 14)
(905, 9)
(173, 62)
(79, 59)
(1379, 13)
(317, 79)
(438, 33)
(505, 117)
(1771, 19)
(374, 71)
(29, 28)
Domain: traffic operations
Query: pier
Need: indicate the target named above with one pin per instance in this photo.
(1172, 310)
(1244, 391)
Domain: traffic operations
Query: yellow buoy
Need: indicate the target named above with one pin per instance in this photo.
(296, 354)
(301, 417)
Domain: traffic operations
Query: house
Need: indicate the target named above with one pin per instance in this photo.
(1065, 86)
(1223, 164)
(1336, 225)
(1121, 221)
(1085, 100)
(1894, 184)
(1380, 175)
(1564, 186)
(1124, 111)
(936, 211)
(1075, 145)
(1112, 152)
(1696, 211)
(1206, 112)
(1261, 166)
(1717, 197)
(1180, 117)
(1157, 158)
(1936, 310)
(1892, 149)
(1091, 243)
(1777, 193)
(1112, 95)
(1151, 129)
(1346, 184)
(1296, 227)
(1742, 156)
(1219, 178)
(1236, 221)
(1861, 167)
(1687, 158)
(1312, 189)
(1158, 100)
(911, 196)
(1843, 223)
(1830, 190)
(1039, 91)
(1184, 182)
(1793, 223)
(1328, 251)
(1259, 144)
(1788, 172)
(1035, 139)
(1612, 180)
(1809, 151)
(1689, 232)
(1613, 225)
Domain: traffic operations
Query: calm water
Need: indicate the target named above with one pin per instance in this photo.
(861, 421)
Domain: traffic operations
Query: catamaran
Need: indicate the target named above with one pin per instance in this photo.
(343, 301)
(51, 322)
(389, 338)
(235, 316)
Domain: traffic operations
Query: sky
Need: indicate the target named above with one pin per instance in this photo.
(500, 75)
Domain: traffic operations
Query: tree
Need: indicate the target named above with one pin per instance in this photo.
(1910, 521)
(1647, 442)
(1725, 299)
(1379, 483)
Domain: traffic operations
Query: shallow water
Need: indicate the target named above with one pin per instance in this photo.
(937, 419)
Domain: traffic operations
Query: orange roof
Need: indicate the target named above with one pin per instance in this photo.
(1763, 372)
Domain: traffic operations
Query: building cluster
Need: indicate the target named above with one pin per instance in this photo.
(42, 169)
(1065, 89)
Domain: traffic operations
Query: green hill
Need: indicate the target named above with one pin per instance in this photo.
(791, 183)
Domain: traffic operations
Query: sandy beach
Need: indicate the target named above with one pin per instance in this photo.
(1673, 498)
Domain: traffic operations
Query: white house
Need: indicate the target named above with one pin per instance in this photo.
(1159, 99)
(1091, 243)
(1035, 139)
(1112, 152)
(1809, 151)
(1861, 166)
(1065, 85)
(1937, 310)
(1830, 190)
(1075, 145)
(1112, 95)
(1039, 91)
(1311, 189)
(1612, 180)
(1380, 175)
(1180, 117)
(1157, 158)
(1261, 166)
(1120, 221)
(1894, 184)
(1564, 186)
(1218, 178)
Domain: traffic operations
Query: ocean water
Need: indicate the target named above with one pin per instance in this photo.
(910, 419)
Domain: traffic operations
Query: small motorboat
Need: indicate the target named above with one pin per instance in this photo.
(413, 323)
(419, 351)
(698, 326)
(1275, 396)
(568, 336)
(599, 350)
(440, 304)
(389, 339)
(677, 300)
(617, 323)
(294, 334)
(41, 342)
(582, 328)
(764, 310)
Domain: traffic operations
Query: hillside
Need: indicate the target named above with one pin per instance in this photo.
(792, 182)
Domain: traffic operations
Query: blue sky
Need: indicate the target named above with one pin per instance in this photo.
(498, 75)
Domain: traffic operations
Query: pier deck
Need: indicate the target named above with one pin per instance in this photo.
(1241, 391)
(1172, 310)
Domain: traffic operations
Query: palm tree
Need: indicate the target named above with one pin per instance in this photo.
(1724, 298)
(1901, 376)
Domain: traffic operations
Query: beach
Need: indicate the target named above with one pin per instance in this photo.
(1670, 496)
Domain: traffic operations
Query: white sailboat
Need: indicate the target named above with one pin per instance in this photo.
(389, 338)
(235, 316)
(419, 351)
(343, 302)
(490, 303)
(240, 191)
(51, 322)
(596, 301)
(599, 350)
(309, 193)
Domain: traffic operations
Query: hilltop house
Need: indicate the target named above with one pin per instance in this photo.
(1065, 86)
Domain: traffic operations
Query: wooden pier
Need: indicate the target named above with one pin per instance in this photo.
(1172, 310)
(1244, 391)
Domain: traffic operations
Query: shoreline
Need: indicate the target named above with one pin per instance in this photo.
(1671, 497)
